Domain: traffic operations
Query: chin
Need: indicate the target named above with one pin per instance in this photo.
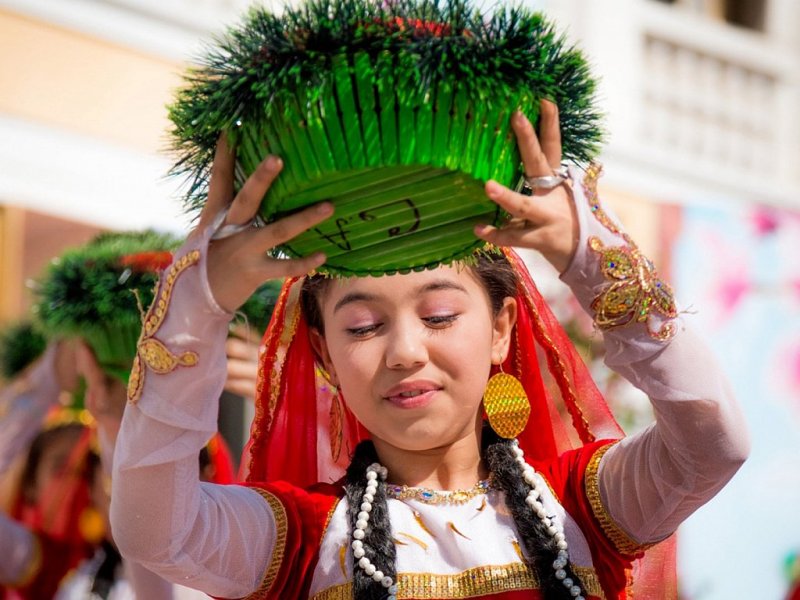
(420, 438)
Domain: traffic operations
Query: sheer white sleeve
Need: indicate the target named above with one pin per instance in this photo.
(650, 482)
(218, 539)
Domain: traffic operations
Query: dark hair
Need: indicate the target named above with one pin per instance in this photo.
(37, 449)
(539, 549)
(492, 269)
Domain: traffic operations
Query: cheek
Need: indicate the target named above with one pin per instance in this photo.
(354, 363)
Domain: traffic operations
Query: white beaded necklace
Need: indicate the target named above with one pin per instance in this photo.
(532, 478)
(373, 472)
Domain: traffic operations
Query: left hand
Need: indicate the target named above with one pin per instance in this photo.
(105, 395)
(545, 221)
(242, 351)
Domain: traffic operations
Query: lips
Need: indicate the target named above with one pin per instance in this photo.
(412, 394)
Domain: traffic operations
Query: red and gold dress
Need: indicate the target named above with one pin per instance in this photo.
(290, 541)
(466, 548)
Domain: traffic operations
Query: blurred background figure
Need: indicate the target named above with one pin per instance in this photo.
(62, 412)
(48, 461)
(701, 97)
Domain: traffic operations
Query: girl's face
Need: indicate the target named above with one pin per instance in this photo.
(412, 353)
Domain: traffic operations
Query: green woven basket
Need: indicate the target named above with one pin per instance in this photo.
(405, 172)
(93, 292)
(397, 114)
(114, 346)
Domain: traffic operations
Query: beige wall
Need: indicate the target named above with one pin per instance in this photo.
(72, 83)
(62, 78)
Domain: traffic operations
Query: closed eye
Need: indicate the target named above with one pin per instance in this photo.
(440, 321)
(363, 331)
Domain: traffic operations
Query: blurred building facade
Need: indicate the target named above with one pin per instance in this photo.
(702, 162)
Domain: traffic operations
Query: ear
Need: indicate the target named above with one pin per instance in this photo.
(504, 323)
(323, 356)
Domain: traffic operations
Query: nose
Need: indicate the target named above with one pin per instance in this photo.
(406, 346)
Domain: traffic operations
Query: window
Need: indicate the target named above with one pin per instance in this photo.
(742, 13)
(746, 13)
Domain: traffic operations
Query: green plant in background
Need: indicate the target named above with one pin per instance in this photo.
(20, 344)
(94, 291)
(257, 310)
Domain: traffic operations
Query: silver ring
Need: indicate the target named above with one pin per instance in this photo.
(528, 185)
(227, 231)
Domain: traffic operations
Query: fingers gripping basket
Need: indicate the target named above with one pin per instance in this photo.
(397, 113)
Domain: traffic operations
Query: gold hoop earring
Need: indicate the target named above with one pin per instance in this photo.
(506, 404)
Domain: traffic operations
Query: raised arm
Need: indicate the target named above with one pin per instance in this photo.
(652, 481)
(215, 538)
(26, 400)
(649, 483)
(20, 551)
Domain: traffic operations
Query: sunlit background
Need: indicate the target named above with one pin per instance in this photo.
(703, 166)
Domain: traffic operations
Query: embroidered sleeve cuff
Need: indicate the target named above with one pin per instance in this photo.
(184, 328)
(281, 527)
(623, 542)
(614, 282)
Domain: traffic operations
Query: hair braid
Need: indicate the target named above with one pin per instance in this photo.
(378, 545)
(539, 547)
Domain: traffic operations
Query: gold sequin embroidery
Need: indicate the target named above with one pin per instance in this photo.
(635, 290)
(621, 540)
(150, 351)
(281, 528)
(518, 549)
(472, 583)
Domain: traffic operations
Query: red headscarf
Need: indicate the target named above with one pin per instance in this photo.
(59, 520)
(303, 432)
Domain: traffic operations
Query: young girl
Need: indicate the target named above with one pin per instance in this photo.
(434, 504)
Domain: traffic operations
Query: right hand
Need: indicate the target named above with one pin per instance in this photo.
(242, 351)
(237, 265)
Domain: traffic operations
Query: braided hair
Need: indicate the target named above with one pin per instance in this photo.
(539, 548)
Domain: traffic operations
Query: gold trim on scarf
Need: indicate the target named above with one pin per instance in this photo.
(621, 540)
(472, 583)
(291, 319)
(150, 351)
(556, 366)
(281, 527)
(256, 433)
(328, 518)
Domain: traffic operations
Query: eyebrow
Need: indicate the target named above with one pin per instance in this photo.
(432, 286)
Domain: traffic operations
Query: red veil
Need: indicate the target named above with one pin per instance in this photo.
(303, 433)
(59, 519)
